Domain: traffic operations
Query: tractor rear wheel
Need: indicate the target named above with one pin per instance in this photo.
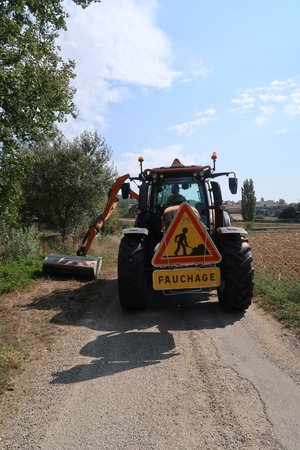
(131, 272)
(236, 289)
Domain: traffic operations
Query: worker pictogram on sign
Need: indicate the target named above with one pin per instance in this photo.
(186, 242)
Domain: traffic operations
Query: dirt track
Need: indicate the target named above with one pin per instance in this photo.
(181, 375)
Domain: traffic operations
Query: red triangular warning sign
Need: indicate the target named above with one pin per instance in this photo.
(186, 242)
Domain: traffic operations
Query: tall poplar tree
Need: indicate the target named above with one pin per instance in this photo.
(248, 200)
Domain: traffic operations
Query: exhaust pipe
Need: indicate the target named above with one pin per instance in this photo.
(76, 266)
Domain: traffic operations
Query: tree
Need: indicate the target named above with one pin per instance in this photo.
(11, 175)
(68, 181)
(35, 90)
(248, 200)
(34, 80)
(288, 213)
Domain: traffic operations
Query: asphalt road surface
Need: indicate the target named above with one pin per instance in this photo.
(181, 375)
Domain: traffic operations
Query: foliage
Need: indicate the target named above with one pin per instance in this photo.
(35, 90)
(288, 213)
(34, 80)
(248, 203)
(12, 174)
(259, 217)
(19, 274)
(281, 298)
(18, 242)
(117, 222)
(132, 212)
(68, 181)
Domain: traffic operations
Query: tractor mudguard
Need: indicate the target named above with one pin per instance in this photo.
(136, 231)
(231, 230)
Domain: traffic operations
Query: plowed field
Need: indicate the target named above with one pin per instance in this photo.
(277, 253)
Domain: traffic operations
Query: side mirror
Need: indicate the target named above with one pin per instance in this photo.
(125, 189)
(233, 185)
(143, 196)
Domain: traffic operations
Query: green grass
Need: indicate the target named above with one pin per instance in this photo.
(14, 275)
(19, 274)
(281, 298)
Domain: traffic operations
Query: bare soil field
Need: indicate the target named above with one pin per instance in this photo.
(277, 253)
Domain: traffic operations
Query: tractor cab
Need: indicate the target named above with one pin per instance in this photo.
(164, 189)
(170, 193)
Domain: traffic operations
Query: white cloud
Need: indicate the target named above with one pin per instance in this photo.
(273, 98)
(115, 45)
(267, 112)
(74, 128)
(296, 96)
(280, 85)
(189, 128)
(280, 97)
(244, 101)
(153, 157)
(292, 110)
(196, 68)
(260, 120)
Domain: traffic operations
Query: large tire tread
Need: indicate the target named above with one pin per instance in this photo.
(236, 290)
(131, 273)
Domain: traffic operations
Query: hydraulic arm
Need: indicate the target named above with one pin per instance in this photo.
(98, 223)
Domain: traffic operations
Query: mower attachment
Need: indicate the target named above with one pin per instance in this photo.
(80, 266)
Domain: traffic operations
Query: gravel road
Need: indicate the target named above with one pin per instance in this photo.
(182, 375)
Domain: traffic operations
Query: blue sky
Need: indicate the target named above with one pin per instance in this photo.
(174, 78)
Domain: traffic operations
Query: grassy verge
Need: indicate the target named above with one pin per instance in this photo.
(14, 275)
(281, 298)
(11, 358)
(19, 274)
(21, 328)
(108, 248)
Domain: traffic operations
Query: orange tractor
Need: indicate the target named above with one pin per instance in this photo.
(182, 239)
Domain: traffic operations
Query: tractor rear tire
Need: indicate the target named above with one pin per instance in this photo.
(236, 289)
(132, 281)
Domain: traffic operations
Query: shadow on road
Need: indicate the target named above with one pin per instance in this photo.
(128, 340)
(119, 352)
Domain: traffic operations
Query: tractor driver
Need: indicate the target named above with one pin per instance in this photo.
(175, 198)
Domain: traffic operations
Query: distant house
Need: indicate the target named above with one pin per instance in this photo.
(266, 204)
